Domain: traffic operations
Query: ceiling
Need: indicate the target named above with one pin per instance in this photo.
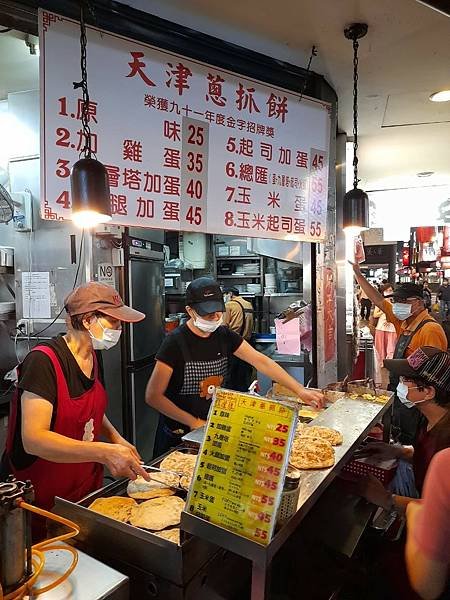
(403, 59)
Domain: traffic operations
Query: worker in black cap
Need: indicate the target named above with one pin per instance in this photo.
(194, 359)
(415, 328)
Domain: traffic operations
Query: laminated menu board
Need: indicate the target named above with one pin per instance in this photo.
(242, 462)
(187, 146)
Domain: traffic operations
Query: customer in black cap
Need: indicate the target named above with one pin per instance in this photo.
(194, 360)
(415, 328)
(424, 389)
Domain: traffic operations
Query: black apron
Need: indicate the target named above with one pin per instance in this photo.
(194, 397)
(240, 372)
(405, 421)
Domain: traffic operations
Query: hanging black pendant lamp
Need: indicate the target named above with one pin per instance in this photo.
(356, 201)
(91, 203)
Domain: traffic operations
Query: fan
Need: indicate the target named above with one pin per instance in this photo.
(6, 206)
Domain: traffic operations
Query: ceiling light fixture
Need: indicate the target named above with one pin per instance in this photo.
(91, 202)
(356, 201)
(442, 96)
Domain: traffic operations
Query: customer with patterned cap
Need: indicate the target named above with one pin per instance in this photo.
(415, 328)
(58, 418)
(194, 360)
(424, 387)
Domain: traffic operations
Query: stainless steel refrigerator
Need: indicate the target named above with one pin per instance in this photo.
(144, 290)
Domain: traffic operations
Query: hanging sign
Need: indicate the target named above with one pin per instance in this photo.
(187, 146)
(240, 472)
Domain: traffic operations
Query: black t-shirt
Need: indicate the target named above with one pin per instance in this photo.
(223, 340)
(37, 375)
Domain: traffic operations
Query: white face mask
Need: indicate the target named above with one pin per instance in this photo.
(227, 298)
(207, 326)
(401, 310)
(402, 395)
(109, 339)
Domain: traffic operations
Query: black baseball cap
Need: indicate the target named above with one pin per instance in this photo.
(205, 296)
(403, 291)
(430, 364)
(229, 288)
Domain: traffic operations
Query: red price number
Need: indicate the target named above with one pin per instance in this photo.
(270, 485)
(279, 442)
(196, 135)
(195, 189)
(264, 517)
(317, 162)
(194, 215)
(282, 428)
(273, 470)
(276, 456)
(195, 162)
(261, 534)
(315, 229)
(317, 185)
(267, 500)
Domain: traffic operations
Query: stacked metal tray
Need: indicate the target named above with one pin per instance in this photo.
(127, 547)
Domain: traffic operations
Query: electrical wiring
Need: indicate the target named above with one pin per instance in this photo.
(39, 553)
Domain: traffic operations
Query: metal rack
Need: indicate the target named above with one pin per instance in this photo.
(354, 419)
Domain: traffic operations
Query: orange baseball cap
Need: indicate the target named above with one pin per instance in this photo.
(99, 297)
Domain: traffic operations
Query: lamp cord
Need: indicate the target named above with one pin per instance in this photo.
(355, 112)
(86, 151)
(308, 69)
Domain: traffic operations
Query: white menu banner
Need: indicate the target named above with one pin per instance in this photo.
(187, 146)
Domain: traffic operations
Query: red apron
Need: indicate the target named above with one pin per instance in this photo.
(77, 418)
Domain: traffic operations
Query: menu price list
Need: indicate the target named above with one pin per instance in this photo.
(240, 472)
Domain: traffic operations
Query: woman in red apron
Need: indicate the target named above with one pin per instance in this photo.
(57, 418)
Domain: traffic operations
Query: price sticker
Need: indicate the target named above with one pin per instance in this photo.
(240, 473)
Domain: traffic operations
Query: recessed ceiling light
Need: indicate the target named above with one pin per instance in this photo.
(442, 96)
(425, 174)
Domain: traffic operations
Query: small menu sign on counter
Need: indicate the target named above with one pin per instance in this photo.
(240, 472)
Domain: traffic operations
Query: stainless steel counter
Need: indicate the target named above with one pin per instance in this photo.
(90, 580)
(354, 419)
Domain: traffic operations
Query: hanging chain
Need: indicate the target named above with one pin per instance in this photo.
(86, 151)
(308, 68)
(355, 112)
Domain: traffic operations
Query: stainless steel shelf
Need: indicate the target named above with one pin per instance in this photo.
(247, 276)
(354, 419)
(238, 257)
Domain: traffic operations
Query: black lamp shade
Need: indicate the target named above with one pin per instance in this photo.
(90, 190)
(356, 209)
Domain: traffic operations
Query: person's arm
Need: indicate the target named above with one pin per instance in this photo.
(372, 293)
(155, 396)
(38, 440)
(110, 433)
(427, 575)
(385, 451)
(371, 488)
(271, 369)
